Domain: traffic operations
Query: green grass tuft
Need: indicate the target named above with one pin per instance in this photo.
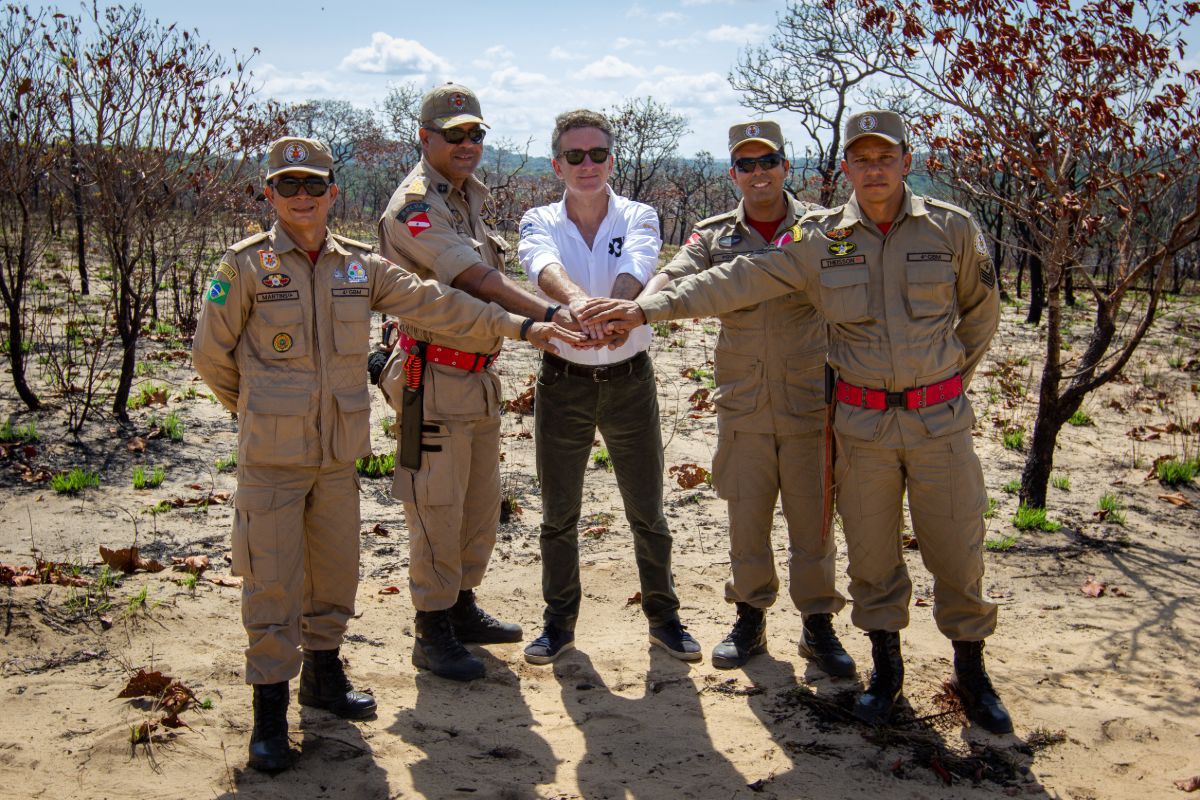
(152, 481)
(75, 481)
(1080, 419)
(1062, 482)
(1014, 439)
(602, 459)
(1174, 472)
(1027, 519)
(374, 466)
(1001, 544)
(1114, 511)
(172, 427)
(1012, 487)
(228, 463)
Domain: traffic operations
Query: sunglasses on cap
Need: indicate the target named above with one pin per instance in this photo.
(598, 155)
(458, 135)
(290, 187)
(767, 162)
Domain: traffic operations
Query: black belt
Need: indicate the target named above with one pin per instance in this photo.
(599, 374)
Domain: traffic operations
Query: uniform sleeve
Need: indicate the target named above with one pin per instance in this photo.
(218, 330)
(692, 258)
(424, 232)
(537, 249)
(978, 300)
(742, 282)
(435, 306)
(639, 252)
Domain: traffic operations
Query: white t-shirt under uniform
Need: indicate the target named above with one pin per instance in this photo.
(627, 242)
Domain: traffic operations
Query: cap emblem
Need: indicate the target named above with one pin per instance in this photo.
(867, 122)
(295, 153)
(457, 101)
(753, 130)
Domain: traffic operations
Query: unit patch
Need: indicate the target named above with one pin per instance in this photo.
(730, 240)
(842, 248)
(295, 153)
(218, 291)
(276, 280)
(442, 188)
(356, 273)
(268, 259)
(418, 224)
(987, 275)
(792, 234)
(981, 245)
(351, 292)
(227, 271)
(842, 262)
(271, 297)
(837, 234)
(930, 257)
(408, 210)
(282, 342)
(753, 130)
(695, 237)
(867, 122)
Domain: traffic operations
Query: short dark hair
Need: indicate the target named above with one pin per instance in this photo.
(579, 118)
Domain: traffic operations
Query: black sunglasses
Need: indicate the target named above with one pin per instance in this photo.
(289, 187)
(767, 162)
(458, 135)
(598, 155)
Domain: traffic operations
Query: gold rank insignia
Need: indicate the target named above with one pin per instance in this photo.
(842, 248)
(227, 271)
(416, 187)
(837, 234)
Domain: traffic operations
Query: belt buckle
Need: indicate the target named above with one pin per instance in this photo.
(597, 372)
(894, 400)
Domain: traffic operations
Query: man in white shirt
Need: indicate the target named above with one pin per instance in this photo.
(591, 244)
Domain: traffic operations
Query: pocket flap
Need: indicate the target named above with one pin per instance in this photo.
(281, 313)
(280, 403)
(351, 311)
(931, 272)
(356, 399)
(837, 277)
(499, 242)
(254, 498)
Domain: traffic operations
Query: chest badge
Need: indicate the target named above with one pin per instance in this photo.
(792, 234)
(730, 240)
(842, 248)
(356, 273)
(268, 259)
(837, 234)
(282, 342)
(276, 280)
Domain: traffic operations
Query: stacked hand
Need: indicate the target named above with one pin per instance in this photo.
(540, 334)
(615, 317)
(592, 335)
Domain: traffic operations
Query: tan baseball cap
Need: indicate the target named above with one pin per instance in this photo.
(887, 125)
(293, 154)
(763, 130)
(449, 106)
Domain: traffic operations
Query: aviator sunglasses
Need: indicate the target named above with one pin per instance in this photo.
(458, 135)
(598, 155)
(289, 187)
(767, 162)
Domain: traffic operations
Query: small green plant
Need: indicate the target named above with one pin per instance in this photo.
(376, 466)
(228, 463)
(1001, 544)
(1081, 419)
(1176, 472)
(161, 507)
(709, 330)
(187, 394)
(1112, 509)
(1028, 519)
(165, 328)
(602, 459)
(1062, 482)
(137, 601)
(661, 328)
(1012, 487)
(149, 393)
(145, 369)
(187, 581)
(992, 507)
(1014, 439)
(10, 433)
(75, 481)
(387, 424)
(152, 481)
(1175, 360)
(172, 427)
(207, 704)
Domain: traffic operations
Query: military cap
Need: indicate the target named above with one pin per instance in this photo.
(293, 154)
(449, 106)
(887, 125)
(764, 131)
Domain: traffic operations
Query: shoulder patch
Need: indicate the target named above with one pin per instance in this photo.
(346, 240)
(716, 218)
(228, 271)
(417, 188)
(248, 242)
(409, 209)
(933, 201)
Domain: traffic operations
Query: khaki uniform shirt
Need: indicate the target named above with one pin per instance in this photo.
(284, 342)
(907, 309)
(770, 356)
(437, 232)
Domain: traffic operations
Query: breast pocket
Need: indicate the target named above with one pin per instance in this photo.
(280, 331)
(351, 327)
(844, 294)
(930, 289)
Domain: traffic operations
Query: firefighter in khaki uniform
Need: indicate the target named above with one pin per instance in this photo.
(908, 289)
(434, 226)
(282, 341)
(770, 398)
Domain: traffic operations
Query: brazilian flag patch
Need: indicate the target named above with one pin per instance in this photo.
(218, 290)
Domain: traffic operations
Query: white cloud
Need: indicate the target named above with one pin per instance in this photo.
(636, 11)
(751, 32)
(624, 42)
(608, 68)
(511, 77)
(682, 91)
(392, 56)
(292, 87)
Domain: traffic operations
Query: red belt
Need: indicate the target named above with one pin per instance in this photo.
(449, 357)
(910, 399)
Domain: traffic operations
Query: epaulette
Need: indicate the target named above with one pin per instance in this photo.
(346, 240)
(933, 201)
(713, 220)
(416, 187)
(249, 241)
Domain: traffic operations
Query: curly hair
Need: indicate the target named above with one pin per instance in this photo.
(579, 118)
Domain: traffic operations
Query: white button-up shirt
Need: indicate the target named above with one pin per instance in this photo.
(626, 242)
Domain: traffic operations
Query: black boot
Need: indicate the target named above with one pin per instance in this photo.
(748, 638)
(323, 684)
(269, 740)
(473, 624)
(974, 688)
(875, 705)
(820, 644)
(439, 650)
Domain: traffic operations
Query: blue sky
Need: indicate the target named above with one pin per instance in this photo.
(527, 61)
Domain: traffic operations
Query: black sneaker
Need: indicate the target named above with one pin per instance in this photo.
(552, 643)
(673, 637)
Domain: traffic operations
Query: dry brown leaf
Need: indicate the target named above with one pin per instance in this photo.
(29, 451)
(379, 530)
(1092, 587)
(699, 400)
(390, 590)
(136, 445)
(521, 404)
(128, 561)
(908, 540)
(146, 684)
(923, 601)
(224, 580)
(1176, 499)
(1191, 784)
(1117, 591)
(192, 564)
(636, 600)
(689, 476)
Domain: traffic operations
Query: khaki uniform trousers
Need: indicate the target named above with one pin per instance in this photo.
(295, 544)
(946, 500)
(755, 469)
(452, 509)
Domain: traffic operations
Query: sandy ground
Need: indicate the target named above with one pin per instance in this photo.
(1103, 689)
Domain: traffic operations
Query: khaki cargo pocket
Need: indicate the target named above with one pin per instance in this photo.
(452, 393)
(844, 294)
(272, 427)
(724, 478)
(254, 543)
(930, 289)
(966, 479)
(804, 382)
(739, 382)
(434, 484)
(351, 327)
(352, 424)
(280, 331)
